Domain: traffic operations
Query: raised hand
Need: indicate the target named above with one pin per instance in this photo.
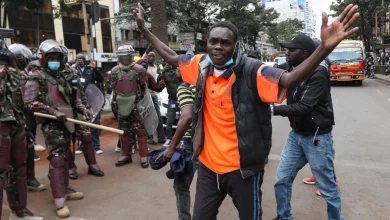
(333, 34)
(139, 16)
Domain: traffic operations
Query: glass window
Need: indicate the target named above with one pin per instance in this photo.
(107, 45)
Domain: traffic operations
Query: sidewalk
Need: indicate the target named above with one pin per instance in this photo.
(383, 77)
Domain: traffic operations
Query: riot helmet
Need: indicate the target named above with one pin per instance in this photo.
(125, 54)
(22, 55)
(50, 47)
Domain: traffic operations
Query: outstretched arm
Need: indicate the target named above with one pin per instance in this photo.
(331, 36)
(162, 49)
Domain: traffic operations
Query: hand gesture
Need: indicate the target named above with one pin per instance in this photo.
(60, 116)
(92, 64)
(333, 34)
(139, 16)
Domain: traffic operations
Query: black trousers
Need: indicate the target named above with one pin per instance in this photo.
(211, 190)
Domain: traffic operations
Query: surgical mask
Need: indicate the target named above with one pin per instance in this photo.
(228, 63)
(53, 66)
(34, 56)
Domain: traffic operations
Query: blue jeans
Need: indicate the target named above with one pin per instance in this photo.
(95, 133)
(298, 151)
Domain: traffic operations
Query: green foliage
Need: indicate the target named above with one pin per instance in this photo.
(249, 17)
(285, 31)
(366, 23)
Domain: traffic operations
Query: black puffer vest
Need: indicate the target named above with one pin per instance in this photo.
(252, 116)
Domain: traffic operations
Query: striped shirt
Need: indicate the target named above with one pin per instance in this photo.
(186, 96)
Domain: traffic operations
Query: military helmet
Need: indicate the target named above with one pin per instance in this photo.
(125, 54)
(48, 47)
(22, 55)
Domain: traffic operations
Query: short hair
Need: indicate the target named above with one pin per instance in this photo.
(226, 24)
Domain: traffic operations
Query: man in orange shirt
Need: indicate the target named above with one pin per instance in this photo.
(232, 121)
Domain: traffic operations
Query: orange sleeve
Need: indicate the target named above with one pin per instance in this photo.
(268, 84)
(188, 66)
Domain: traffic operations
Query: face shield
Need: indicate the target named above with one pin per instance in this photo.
(125, 54)
(22, 55)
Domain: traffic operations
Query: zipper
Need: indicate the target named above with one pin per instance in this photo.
(231, 95)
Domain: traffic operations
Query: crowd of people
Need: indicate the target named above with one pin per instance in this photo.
(225, 99)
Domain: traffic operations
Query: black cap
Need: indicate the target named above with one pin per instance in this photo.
(301, 41)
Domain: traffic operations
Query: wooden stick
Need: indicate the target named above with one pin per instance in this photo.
(100, 127)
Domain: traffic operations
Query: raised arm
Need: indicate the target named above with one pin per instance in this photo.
(331, 36)
(162, 49)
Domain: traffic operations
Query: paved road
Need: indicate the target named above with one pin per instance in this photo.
(362, 166)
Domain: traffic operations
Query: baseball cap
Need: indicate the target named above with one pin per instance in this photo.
(152, 156)
(301, 41)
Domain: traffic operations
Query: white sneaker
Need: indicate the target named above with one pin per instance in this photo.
(117, 149)
(39, 147)
(77, 152)
(167, 143)
(99, 152)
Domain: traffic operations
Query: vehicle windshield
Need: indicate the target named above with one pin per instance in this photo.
(346, 54)
(280, 60)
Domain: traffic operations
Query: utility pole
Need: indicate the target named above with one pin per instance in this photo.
(86, 29)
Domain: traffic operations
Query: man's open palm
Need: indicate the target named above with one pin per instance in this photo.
(139, 16)
(333, 34)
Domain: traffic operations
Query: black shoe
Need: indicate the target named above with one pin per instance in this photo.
(74, 176)
(36, 157)
(120, 163)
(152, 142)
(161, 141)
(145, 164)
(95, 172)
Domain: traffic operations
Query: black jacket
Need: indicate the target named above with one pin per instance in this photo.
(93, 76)
(309, 105)
(252, 116)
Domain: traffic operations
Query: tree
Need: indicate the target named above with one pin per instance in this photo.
(284, 31)
(185, 15)
(159, 20)
(366, 23)
(249, 17)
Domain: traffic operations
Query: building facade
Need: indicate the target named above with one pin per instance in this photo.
(32, 28)
(295, 9)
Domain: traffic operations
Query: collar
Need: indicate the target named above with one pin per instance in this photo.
(226, 75)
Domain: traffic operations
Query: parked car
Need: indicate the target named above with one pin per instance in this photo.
(279, 61)
(163, 102)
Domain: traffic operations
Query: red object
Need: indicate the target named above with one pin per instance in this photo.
(310, 180)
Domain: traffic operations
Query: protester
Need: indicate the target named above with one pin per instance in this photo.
(154, 70)
(90, 75)
(172, 81)
(181, 184)
(310, 141)
(232, 124)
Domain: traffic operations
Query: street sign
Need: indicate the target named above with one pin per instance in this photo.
(77, 2)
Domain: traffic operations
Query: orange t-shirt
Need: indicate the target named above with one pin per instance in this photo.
(220, 152)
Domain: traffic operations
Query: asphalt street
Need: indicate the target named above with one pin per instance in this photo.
(362, 166)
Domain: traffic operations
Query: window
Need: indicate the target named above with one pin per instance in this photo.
(125, 34)
(107, 45)
(136, 35)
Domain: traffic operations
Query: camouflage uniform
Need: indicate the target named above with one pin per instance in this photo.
(13, 150)
(43, 91)
(82, 132)
(133, 81)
